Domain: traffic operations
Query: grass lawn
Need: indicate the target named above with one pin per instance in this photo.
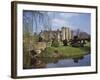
(66, 51)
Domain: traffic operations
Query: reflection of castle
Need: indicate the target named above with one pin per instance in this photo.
(59, 35)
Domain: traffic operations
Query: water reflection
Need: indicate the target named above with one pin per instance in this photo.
(76, 60)
(60, 62)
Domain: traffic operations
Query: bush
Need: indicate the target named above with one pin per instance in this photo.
(65, 43)
(55, 43)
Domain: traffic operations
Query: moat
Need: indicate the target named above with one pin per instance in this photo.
(84, 60)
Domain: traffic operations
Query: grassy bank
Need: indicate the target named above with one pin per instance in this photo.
(66, 51)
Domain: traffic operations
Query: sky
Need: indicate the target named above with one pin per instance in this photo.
(57, 20)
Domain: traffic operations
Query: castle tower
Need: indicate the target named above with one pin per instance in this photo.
(63, 33)
(66, 33)
(69, 34)
(58, 35)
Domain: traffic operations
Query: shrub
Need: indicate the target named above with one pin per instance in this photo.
(65, 43)
(55, 43)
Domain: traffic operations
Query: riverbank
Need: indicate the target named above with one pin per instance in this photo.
(65, 51)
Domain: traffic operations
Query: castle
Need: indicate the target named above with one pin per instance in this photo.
(59, 35)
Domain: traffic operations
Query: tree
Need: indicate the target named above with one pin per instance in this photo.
(75, 42)
(36, 19)
(32, 20)
(77, 32)
(41, 18)
(65, 42)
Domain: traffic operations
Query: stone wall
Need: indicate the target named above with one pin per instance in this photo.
(39, 46)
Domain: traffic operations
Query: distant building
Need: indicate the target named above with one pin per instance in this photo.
(59, 35)
(84, 35)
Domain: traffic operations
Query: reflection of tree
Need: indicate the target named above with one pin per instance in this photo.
(76, 60)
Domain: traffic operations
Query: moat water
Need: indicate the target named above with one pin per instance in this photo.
(82, 61)
(61, 62)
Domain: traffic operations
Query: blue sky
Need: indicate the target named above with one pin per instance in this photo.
(74, 21)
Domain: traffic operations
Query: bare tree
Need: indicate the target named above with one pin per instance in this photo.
(41, 18)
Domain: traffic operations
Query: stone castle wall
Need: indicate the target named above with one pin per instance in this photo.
(66, 33)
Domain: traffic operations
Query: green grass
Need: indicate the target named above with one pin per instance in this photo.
(66, 51)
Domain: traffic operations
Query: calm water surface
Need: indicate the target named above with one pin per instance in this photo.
(83, 61)
(54, 63)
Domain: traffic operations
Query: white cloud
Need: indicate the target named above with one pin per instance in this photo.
(62, 19)
(68, 15)
(58, 23)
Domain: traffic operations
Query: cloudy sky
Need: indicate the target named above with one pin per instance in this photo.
(73, 20)
(67, 19)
